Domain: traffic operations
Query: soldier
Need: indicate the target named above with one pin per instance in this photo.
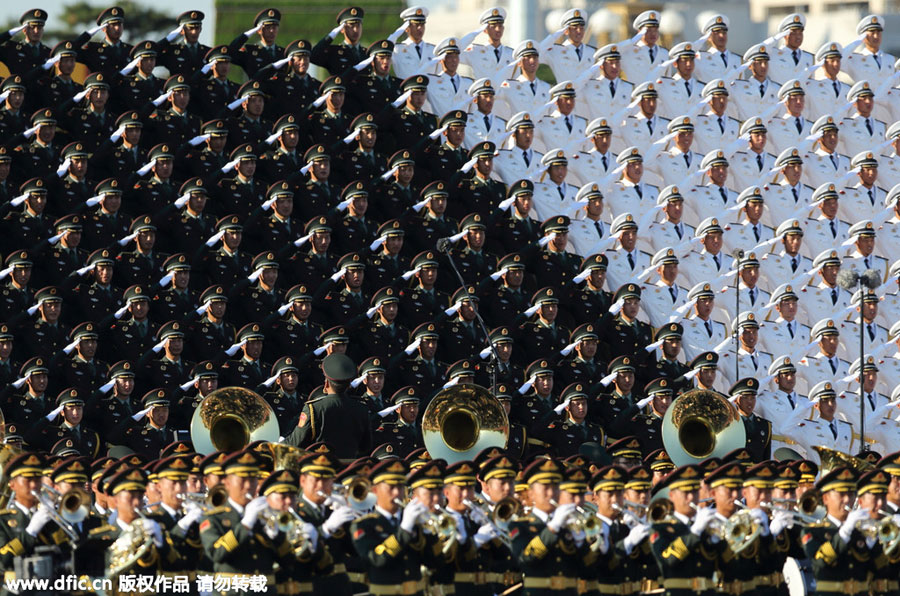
(8, 365)
(294, 85)
(142, 266)
(171, 369)
(350, 300)
(335, 418)
(248, 370)
(185, 56)
(385, 337)
(337, 59)
(317, 196)
(790, 61)
(209, 161)
(134, 91)
(227, 265)
(548, 553)
(212, 333)
(679, 161)
(485, 126)
(362, 162)
(60, 255)
(204, 380)
(758, 429)
(91, 121)
(13, 120)
(783, 404)
(282, 393)
(404, 433)
(329, 126)
(70, 405)
(491, 59)
(754, 95)
(460, 333)
(566, 436)
(72, 189)
(242, 192)
(375, 89)
(630, 193)
(870, 62)
(41, 155)
(249, 127)
(297, 333)
(284, 160)
(544, 336)
(717, 61)
(665, 296)
(16, 295)
(108, 223)
(624, 333)
(355, 232)
(389, 262)
(213, 92)
(715, 128)
(111, 54)
(824, 427)
(174, 125)
(372, 377)
(245, 529)
(256, 302)
(83, 371)
(447, 90)
(146, 438)
(608, 89)
(612, 411)
(835, 546)
(535, 401)
(254, 57)
(681, 89)
(409, 125)
(178, 302)
(480, 193)
(131, 338)
(668, 365)
(47, 335)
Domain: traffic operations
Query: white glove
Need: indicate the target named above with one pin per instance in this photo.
(312, 534)
(704, 516)
(411, 513)
(144, 169)
(15, 30)
(252, 30)
(49, 63)
(152, 527)
(559, 517)
(280, 63)
(63, 167)
(461, 534)
(52, 415)
(29, 132)
(338, 518)
(333, 33)
(485, 534)
(643, 403)
(174, 33)
(854, 517)
(141, 414)
(192, 514)
(252, 511)
(635, 536)
(780, 521)
(93, 30)
(38, 521)
(117, 134)
(762, 519)
(198, 139)
(130, 66)
(340, 273)
(80, 95)
(162, 98)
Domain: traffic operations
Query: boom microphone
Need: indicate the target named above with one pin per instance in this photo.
(847, 279)
(870, 279)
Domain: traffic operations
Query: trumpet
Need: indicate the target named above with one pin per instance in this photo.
(437, 522)
(65, 510)
(504, 511)
(660, 510)
(583, 520)
(356, 494)
(215, 497)
(632, 518)
(739, 530)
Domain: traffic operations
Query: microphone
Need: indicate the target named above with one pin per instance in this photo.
(444, 245)
(847, 279)
(738, 253)
(870, 279)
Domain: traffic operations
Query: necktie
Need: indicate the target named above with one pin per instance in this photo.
(679, 231)
(871, 400)
(605, 162)
(578, 51)
(687, 87)
(497, 54)
(653, 55)
(754, 360)
(752, 296)
(759, 162)
(724, 59)
(837, 88)
(650, 126)
(717, 261)
(790, 327)
(599, 229)
(487, 124)
(877, 60)
(526, 158)
(869, 126)
(533, 88)
(833, 429)
(723, 194)
(673, 293)
(453, 82)
(612, 88)
(833, 228)
(866, 261)
(790, 397)
(796, 57)
(833, 364)
(762, 89)
(721, 125)
(871, 332)
(687, 159)
(794, 192)
(871, 193)
(562, 192)
(639, 191)
(569, 123)
(834, 296)
(708, 326)
(834, 161)
(419, 51)
(756, 231)
(630, 260)
(798, 124)
(794, 264)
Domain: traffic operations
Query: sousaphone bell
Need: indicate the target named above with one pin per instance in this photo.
(230, 418)
(462, 420)
(700, 424)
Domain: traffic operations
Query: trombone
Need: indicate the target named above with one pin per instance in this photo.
(215, 497)
(65, 510)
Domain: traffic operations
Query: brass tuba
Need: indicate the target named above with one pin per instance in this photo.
(701, 424)
(287, 457)
(462, 420)
(230, 418)
(832, 458)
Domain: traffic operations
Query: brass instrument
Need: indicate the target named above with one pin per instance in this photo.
(131, 546)
(462, 420)
(504, 511)
(832, 458)
(64, 510)
(230, 418)
(739, 530)
(631, 518)
(660, 510)
(286, 457)
(215, 497)
(885, 530)
(583, 520)
(807, 509)
(357, 493)
(439, 523)
(701, 424)
(7, 452)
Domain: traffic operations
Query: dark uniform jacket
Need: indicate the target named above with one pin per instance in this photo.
(337, 420)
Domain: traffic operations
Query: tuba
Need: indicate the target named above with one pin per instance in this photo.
(832, 458)
(132, 545)
(462, 420)
(230, 418)
(701, 424)
(286, 457)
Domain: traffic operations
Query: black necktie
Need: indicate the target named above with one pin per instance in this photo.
(759, 161)
(653, 54)
(672, 293)
(721, 125)
(724, 59)
(568, 123)
(630, 260)
(831, 361)
(756, 231)
(717, 261)
(790, 327)
(794, 264)
(871, 332)
(798, 124)
(791, 400)
(708, 326)
(833, 228)
(650, 126)
(526, 158)
(872, 196)
(605, 162)
(419, 51)
(723, 194)
(833, 429)
(497, 53)
(533, 88)
(795, 193)
(562, 193)
(754, 360)
(837, 88)
(762, 89)
(869, 126)
(612, 88)
(834, 161)
(453, 82)
(599, 229)
(877, 60)
(487, 124)
(687, 87)
(687, 159)
(640, 193)
(752, 296)
(834, 295)
(678, 231)
(871, 400)
(578, 51)
(796, 57)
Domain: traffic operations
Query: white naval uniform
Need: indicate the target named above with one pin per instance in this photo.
(407, 62)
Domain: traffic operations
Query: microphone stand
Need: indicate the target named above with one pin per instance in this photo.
(739, 256)
(862, 352)
(444, 247)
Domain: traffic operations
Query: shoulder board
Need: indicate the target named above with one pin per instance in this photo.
(367, 516)
(217, 510)
(103, 528)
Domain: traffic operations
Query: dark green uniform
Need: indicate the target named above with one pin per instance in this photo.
(338, 420)
(549, 561)
(686, 561)
(837, 564)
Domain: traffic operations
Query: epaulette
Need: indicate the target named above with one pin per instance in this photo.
(367, 516)
(217, 510)
(103, 528)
